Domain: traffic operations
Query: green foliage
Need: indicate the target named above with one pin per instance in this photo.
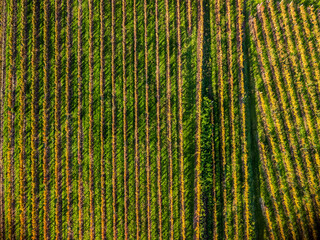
(131, 120)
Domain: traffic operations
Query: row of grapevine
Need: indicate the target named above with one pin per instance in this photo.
(125, 150)
(35, 120)
(80, 122)
(113, 82)
(221, 108)
(169, 121)
(243, 124)
(232, 127)
(3, 20)
(159, 190)
(91, 123)
(136, 123)
(22, 133)
(57, 122)
(213, 142)
(180, 124)
(102, 124)
(12, 75)
(147, 129)
(46, 124)
(68, 125)
(198, 121)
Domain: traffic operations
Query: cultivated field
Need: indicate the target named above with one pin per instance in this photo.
(192, 119)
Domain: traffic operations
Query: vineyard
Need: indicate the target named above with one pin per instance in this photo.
(195, 119)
